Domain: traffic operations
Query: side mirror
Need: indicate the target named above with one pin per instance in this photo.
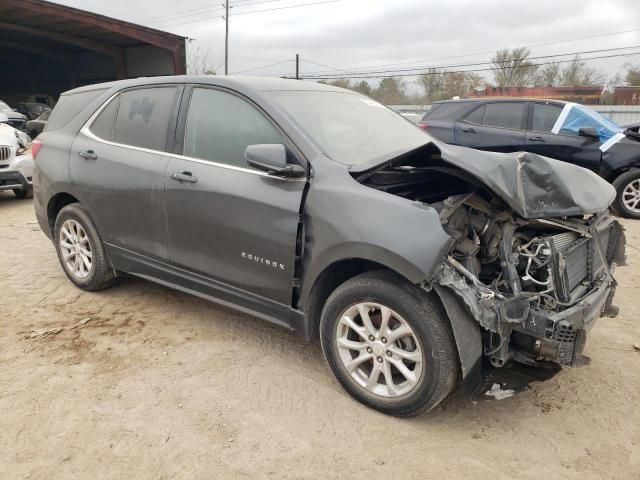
(588, 132)
(272, 158)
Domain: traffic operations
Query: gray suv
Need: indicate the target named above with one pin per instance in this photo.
(418, 265)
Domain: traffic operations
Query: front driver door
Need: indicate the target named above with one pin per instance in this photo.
(565, 145)
(228, 222)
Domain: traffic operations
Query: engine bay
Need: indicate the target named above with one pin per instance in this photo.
(522, 279)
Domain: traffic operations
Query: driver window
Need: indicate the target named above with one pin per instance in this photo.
(220, 126)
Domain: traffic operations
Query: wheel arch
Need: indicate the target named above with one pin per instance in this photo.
(56, 203)
(328, 279)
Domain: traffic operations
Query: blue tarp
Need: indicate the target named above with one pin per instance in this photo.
(575, 116)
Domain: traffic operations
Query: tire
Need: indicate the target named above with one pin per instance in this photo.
(625, 185)
(74, 219)
(431, 341)
(23, 193)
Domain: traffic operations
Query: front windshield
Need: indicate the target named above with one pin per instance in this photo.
(579, 116)
(5, 108)
(350, 128)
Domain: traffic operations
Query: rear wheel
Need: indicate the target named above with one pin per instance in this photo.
(80, 250)
(389, 344)
(627, 202)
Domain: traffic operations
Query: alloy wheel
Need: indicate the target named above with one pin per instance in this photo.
(76, 249)
(379, 349)
(631, 196)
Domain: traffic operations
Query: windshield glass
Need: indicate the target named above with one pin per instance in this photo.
(350, 128)
(579, 116)
(5, 108)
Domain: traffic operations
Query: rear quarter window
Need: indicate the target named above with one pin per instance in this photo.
(447, 111)
(69, 106)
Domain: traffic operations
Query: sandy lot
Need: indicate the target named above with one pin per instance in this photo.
(146, 383)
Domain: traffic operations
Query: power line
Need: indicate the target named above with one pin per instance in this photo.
(263, 66)
(202, 19)
(426, 67)
(364, 67)
(207, 9)
(364, 75)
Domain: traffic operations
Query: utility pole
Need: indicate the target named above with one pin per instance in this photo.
(226, 38)
(297, 66)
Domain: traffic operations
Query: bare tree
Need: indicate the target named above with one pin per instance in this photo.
(577, 73)
(548, 75)
(511, 68)
(440, 84)
(200, 61)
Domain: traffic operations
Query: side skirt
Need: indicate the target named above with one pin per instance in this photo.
(206, 288)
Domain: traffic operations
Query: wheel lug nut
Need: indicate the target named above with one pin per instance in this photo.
(380, 359)
(369, 350)
(389, 354)
(384, 340)
(371, 338)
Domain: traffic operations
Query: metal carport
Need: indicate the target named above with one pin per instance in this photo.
(46, 48)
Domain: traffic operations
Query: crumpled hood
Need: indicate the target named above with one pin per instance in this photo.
(532, 185)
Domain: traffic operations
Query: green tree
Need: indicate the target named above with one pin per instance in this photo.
(633, 74)
(363, 87)
(391, 91)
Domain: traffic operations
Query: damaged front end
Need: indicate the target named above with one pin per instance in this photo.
(535, 286)
(534, 246)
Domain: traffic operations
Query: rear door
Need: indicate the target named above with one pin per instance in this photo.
(565, 145)
(441, 119)
(118, 163)
(497, 126)
(227, 221)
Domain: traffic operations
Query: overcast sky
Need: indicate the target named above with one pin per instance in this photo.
(357, 34)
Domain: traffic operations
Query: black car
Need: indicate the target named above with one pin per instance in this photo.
(565, 131)
(415, 263)
(15, 119)
(35, 127)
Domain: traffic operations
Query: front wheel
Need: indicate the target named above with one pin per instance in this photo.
(627, 202)
(389, 344)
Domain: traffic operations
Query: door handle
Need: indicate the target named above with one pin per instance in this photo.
(184, 177)
(88, 155)
(469, 130)
(536, 139)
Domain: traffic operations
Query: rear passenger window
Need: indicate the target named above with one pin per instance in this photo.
(143, 117)
(505, 115)
(220, 126)
(477, 116)
(450, 111)
(545, 116)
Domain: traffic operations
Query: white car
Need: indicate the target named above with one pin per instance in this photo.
(16, 162)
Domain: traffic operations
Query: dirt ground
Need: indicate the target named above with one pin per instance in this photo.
(143, 382)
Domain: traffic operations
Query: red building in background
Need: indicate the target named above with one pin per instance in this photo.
(626, 96)
(587, 94)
